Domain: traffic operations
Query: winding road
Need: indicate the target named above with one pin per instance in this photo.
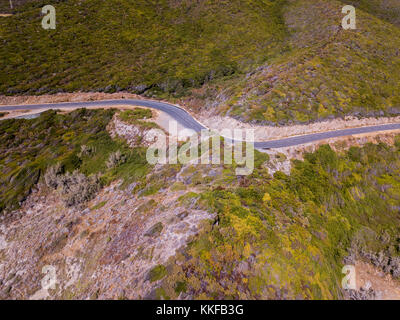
(185, 119)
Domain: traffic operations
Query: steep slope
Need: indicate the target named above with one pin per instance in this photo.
(328, 71)
(161, 46)
(388, 10)
(271, 62)
(193, 231)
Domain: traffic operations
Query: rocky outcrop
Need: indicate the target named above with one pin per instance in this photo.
(105, 251)
(133, 134)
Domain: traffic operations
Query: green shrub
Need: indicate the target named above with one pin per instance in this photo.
(294, 231)
(157, 273)
(155, 230)
(135, 114)
(99, 205)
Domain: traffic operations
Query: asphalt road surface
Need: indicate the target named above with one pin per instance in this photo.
(185, 119)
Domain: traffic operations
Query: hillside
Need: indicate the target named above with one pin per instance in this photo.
(388, 10)
(115, 227)
(161, 46)
(77, 192)
(272, 62)
(328, 72)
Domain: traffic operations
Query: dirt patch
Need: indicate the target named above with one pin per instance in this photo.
(133, 135)
(266, 133)
(65, 97)
(384, 286)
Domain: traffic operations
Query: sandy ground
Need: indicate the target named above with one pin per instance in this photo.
(384, 285)
(65, 97)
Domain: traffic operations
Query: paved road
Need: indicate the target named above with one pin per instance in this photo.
(188, 121)
(177, 113)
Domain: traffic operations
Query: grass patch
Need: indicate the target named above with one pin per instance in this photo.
(99, 205)
(157, 273)
(135, 114)
(135, 117)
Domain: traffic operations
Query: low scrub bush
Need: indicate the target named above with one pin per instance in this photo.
(75, 188)
(52, 175)
(86, 150)
(115, 159)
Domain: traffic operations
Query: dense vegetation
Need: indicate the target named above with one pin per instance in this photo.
(388, 10)
(267, 61)
(162, 45)
(76, 141)
(280, 236)
(287, 237)
(327, 72)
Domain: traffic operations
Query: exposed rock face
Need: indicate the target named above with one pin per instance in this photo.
(134, 135)
(103, 252)
(278, 162)
(364, 293)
